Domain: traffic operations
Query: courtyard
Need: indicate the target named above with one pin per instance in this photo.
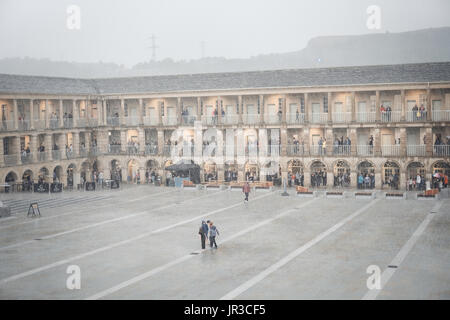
(142, 242)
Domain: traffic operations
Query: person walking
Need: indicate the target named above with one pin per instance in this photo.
(213, 232)
(246, 190)
(203, 232)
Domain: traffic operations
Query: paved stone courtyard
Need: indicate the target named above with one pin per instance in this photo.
(141, 242)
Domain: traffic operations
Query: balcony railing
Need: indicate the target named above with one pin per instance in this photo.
(210, 120)
(54, 123)
(188, 120)
(441, 115)
(151, 149)
(230, 119)
(342, 150)
(94, 151)
(113, 121)
(390, 116)
(81, 122)
(42, 156)
(114, 148)
(441, 150)
(83, 152)
(364, 150)
(68, 123)
(169, 120)
(151, 121)
(131, 121)
(273, 150)
(56, 154)
(342, 117)
(295, 150)
(416, 116)
(295, 118)
(390, 150)
(10, 159)
(416, 150)
(366, 117)
(7, 125)
(251, 118)
(24, 125)
(317, 117)
(317, 150)
(26, 158)
(70, 154)
(272, 118)
(39, 124)
(93, 122)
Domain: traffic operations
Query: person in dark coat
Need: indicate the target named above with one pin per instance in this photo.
(213, 232)
(203, 232)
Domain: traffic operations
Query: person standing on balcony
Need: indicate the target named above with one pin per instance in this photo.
(388, 113)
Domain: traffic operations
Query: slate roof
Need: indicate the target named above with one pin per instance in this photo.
(316, 77)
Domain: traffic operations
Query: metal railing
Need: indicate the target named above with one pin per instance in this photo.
(93, 122)
(252, 118)
(151, 121)
(94, 151)
(318, 150)
(68, 123)
(295, 118)
(24, 125)
(26, 158)
(341, 117)
(390, 150)
(39, 124)
(364, 150)
(272, 118)
(113, 121)
(10, 159)
(132, 121)
(317, 117)
(366, 117)
(188, 120)
(41, 156)
(416, 150)
(230, 119)
(391, 116)
(273, 150)
(440, 115)
(210, 120)
(441, 150)
(81, 122)
(169, 120)
(342, 150)
(416, 116)
(295, 150)
(151, 149)
(114, 148)
(7, 125)
(54, 123)
(56, 155)
(83, 152)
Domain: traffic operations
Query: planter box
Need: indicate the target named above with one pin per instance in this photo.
(395, 195)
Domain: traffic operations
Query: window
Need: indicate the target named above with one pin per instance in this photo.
(325, 104)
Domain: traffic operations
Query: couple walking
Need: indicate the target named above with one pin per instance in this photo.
(203, 232)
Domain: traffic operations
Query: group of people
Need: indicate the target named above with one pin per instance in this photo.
(342, 145)
(68, 119)
(133, 147)
(208, 231)
(366, 180)
(150, 176)
(419, 114)
(385, 113)
(441, 147)
(296, 179)
(319, 178)
(342, 179)
(53, 120)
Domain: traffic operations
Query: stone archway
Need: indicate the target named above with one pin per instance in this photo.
(57, 174)
(318, 174)
(133, 173)
(210, 171)
(295, 172)
(391, 174)
(231, 171)
(342, 174)
(116, 170)
(71, 171)
(44, 175)
(27, 180)
(11, 180)
(251, 171)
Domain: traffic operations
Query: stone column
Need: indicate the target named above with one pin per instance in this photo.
(429, 142)
(330, 108)
(377, 106)
(76, 144)
(306, 142)
(377, 142)
(198, 111)
(123, 141)
(261, 108)
(75, 113)
(16, 150)
(219, 110)
(241, 110)
(141, 139)
(104, 112)
(283, 133)
(353, 104)
(329, 138)
(241, 174)
(47, 114)
(220, 172)
(307, 177)
(178, 109)
(354, 178)
(31, 114)
(141, 112)
(160, 110)
(403, 142)
(16, 115)
(403, 105)
(102, 141)
(428, 107)
(2, 159)
(307, 110)
(161, 142)
(61, 113)
(354, 140)
(33, 147)
(122, 112)
(48, 146)
(283, 109)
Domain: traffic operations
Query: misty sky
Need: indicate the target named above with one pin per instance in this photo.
(119, 30)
